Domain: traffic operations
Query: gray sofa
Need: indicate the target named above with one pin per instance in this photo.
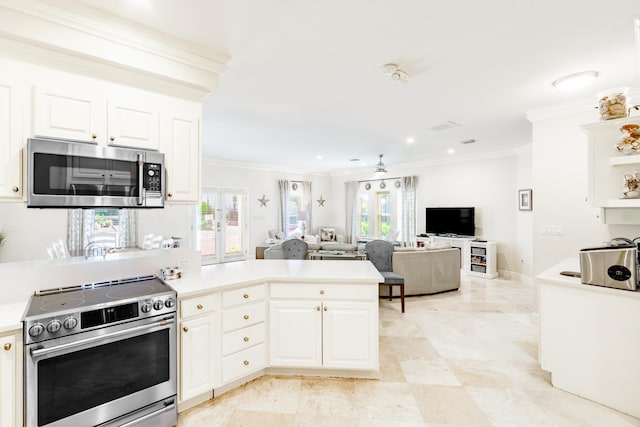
(427, 271)
(275, 251)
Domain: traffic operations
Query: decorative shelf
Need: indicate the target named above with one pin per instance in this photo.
(629, 159)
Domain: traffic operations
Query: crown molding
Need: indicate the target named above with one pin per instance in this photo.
(581, 105)
(208, 161)
(78, 30)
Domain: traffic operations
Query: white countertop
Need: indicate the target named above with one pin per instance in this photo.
(552, 275)
(241, 273)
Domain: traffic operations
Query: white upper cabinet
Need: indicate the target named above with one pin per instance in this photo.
(180, 142)
(133, 125)
(84, 114)
(63, 112)
(10, 141)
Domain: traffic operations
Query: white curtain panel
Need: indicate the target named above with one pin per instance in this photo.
(128, 230)
(283, 184)
(306, 196)
(409, 212)
(351, 208)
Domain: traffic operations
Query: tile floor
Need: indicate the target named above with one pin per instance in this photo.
(465, 358)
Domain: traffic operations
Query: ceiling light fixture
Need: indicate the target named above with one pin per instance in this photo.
(411, 140)
(380, 168)
(395, 73)
(575, 81)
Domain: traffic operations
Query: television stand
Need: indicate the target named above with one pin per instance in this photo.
(460, 242)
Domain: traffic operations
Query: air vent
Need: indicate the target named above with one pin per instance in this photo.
(444, 126)
(468, 141)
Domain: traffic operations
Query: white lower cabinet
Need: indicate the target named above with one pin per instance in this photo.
(10, 380)
(336, 326)
(243, 332)
(199, 346)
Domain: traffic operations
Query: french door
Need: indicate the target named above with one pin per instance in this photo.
(222, 225)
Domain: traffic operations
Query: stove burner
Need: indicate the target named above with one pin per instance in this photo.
(62, 302)
(135, 290)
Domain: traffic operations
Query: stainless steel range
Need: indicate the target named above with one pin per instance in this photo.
(102, 354)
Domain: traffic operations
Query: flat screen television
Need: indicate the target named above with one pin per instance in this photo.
(451, 221)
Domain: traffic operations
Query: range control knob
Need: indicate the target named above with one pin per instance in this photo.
(170, 302)
(151, 172)
(70, 323)
(146, 307)
(54, 326)
(36, 330)
(158, 305)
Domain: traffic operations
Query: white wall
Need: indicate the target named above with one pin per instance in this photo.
(560, 191)
(489, 184)
(524, 219)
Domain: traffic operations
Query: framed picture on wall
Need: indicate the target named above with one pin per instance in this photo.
(327, 234)
(525, 199)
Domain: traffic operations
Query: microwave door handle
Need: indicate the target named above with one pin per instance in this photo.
(140, 180)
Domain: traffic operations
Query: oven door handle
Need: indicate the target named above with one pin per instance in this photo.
(35, 352)
(137, 421)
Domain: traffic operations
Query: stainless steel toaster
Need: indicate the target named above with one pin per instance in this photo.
(610, 266)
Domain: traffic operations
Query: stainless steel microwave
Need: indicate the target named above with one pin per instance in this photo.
(68, 174)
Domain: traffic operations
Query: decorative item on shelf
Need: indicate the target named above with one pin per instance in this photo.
(631, 185)
(612, 104)
(525, 199)
(630, 139)
(263, 201)
(321, 202)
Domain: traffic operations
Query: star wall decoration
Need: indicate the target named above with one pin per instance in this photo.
(321, 202)
(263, 201)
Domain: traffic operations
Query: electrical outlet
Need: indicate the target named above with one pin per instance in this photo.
(552, 230)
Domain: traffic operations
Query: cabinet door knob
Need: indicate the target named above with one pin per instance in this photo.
(245, 317)
(321, 292)
(7, 346)
(318, 308)
(169, 194)
(185, 329)
(245, 296)
(325, 308)
(246, 362)
(199, 307)
(15, 189)
(246, 339)
(112, 138)
(94, 136)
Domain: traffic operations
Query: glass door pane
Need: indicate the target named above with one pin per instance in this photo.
(208, 227)
(234, 225)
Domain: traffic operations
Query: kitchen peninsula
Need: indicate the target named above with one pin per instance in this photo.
(589, 338)
(241, 320)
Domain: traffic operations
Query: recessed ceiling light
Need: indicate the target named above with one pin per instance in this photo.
(319, 157)
(411, 140)
(575, 81)
(451, 151)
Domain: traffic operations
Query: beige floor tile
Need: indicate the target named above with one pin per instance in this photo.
(508, 407)
(386, 402)
(328, 397)
(448, 405)
(262, 419)
(428, 371)
(480, 373)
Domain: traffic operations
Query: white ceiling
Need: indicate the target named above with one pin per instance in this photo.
(305, 77)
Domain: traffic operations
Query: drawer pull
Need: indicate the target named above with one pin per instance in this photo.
(200, 307)
(185, 329)
(245, 317)
(15, 189)
(322, 292)
(7, 346)
(112, 138)
(94, 136)
(246, 363)
(246, 339)
(245, 296)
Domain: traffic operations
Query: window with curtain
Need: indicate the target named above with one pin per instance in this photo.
(297, 207)
(383, 214)
(112, 228)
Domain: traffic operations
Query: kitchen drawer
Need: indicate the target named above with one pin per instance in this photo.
(326, 291)
(242, 339)
(243, 295)
(243, 363)
(199, 305)
(243, 316)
